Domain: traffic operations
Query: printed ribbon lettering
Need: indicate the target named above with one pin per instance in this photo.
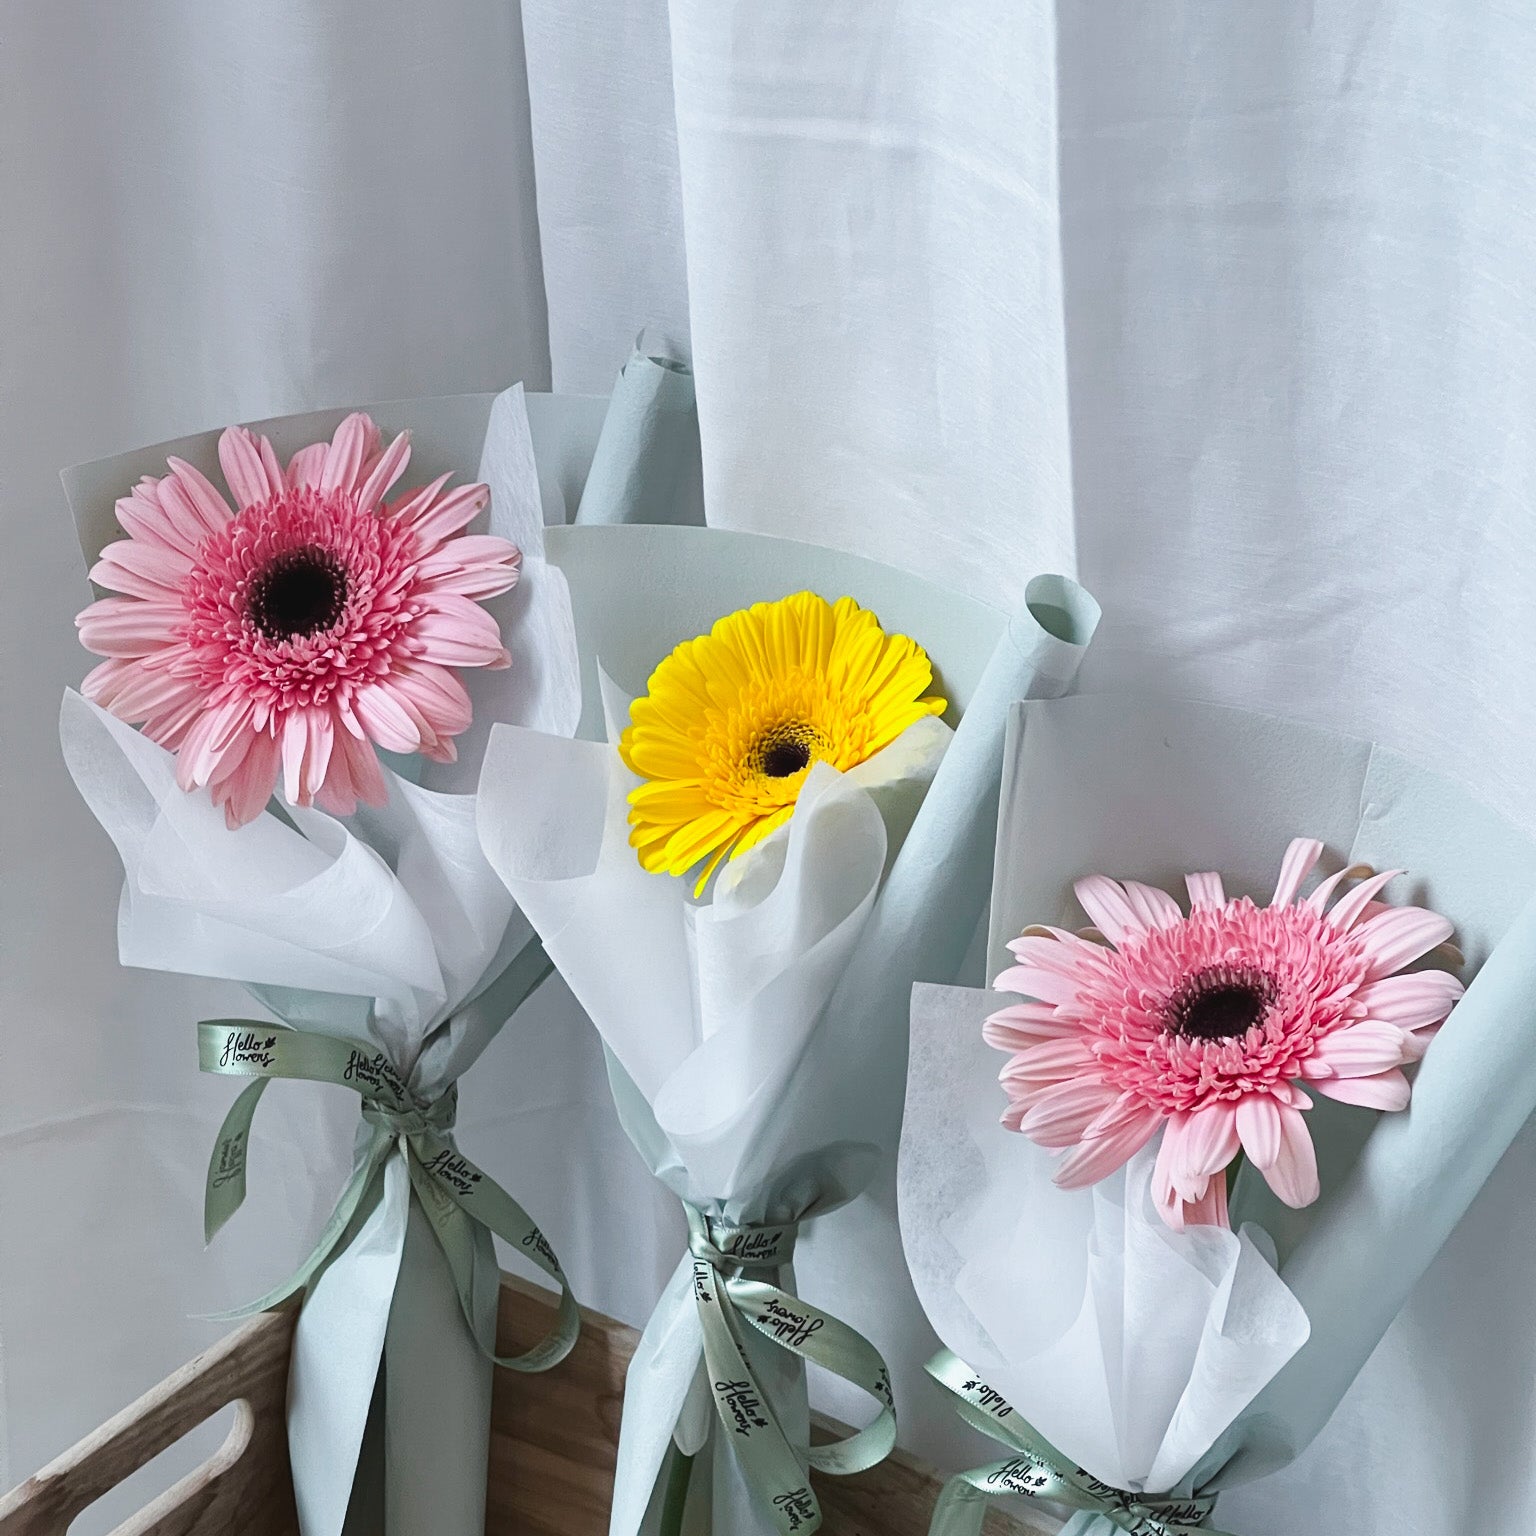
(1036, 1469)
(456, 1195)
(726, 1298)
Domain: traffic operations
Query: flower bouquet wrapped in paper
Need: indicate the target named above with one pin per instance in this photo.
(303, 652)
(780, 817)
(1269, 1033)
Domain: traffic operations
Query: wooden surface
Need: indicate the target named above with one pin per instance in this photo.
(244, 1487)
(553, 1442)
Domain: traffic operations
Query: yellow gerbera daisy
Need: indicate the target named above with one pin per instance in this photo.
(732, 721)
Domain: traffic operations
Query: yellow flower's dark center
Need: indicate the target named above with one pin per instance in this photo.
(300, 592)
(784, 750)
(1220, 1003)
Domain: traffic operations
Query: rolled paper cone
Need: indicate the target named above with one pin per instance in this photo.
(937, 888)
(1377, 1233)
(646, 467)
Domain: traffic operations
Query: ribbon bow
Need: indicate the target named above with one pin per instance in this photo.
(1039, 1471)
(723, 1256)
(456, 1195)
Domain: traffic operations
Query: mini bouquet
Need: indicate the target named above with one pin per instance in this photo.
(776, 831)
(1232, 1130)
(299, 672)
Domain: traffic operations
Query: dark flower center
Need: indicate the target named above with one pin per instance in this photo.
(784, 751)
(301, 592)
(1220, 1003)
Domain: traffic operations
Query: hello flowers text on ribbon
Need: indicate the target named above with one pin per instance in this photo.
(1038, 1470)
(726, 1297)
(454, 1193)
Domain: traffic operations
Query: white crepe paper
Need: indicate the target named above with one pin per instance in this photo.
(1165, 1361)
(745, 1069)
(380, 925)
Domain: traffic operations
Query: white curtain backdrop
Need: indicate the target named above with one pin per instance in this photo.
(1231, 307)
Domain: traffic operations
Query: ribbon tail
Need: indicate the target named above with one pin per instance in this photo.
(768, 1461)
(456, 1195)
(960, 1510)
(363, 1176)
(224, 1187)
(827, 1341)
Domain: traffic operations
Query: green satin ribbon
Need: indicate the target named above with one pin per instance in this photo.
(455, 1194)
(1039, 1471)
(727, 1297)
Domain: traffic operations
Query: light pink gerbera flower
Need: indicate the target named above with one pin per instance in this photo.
(1207, 1025)
(300, 630)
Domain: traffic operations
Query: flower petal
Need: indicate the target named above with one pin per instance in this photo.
(1205, 889)
(1398, 936)
(1155, 908)
(1090, 1161)
(355, 440)
(1300, 859)
(1108, 908)
(390, 466)
(1293, 1176)
(1057, 1115)
(1348, 910)
(1386, 1090)
(1412, 1000)
(1361, 1050)
(1260, 1128)
(246, 468)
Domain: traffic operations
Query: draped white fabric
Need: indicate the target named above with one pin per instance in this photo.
(1232, 306)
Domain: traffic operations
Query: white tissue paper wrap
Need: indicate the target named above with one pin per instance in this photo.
(381, 926)
(1174, 1362)
(744, 1070)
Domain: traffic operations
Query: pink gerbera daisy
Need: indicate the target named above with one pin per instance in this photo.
(1207, 1025)
(299, 630)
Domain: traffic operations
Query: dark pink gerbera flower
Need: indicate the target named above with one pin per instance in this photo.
(293, 634)
(1205, 1027)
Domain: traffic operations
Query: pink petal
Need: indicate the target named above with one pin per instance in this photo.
(1293, 1177)
(1361, 1050)
(306, 749)
(142, 570)
(141, 516)
(454, 632)
(1108, 908)
(1300, 859)
(354, 775)
(356, 438)
(246, 469)
(1032, 981)
(1205, 889)
(435, 521)
(390, 466)
(1210, 1210)
(1057, 1114)
(1155, 908)
(307, 466)
(1050, 1061)
(439, 696)
(1203, 1143)
(129, 626)
(1014, 1029)
(476, 565)
(201, 494)
(1398, 936)
(1260, 1128)
(1351, 908)
(386, 719)
(1318, 900)
(244, 792)
(1090, 1161)
(1386, 1090)
(1412, 1001)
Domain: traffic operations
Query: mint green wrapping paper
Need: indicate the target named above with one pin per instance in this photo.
(741, 1081)
(1178, 1363)
(646, 466)
(385, 926)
